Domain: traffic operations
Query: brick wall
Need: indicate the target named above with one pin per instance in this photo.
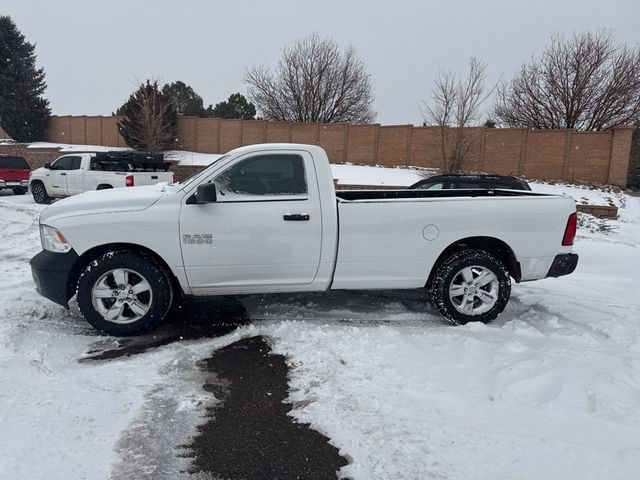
(36, 157)
(580, 157)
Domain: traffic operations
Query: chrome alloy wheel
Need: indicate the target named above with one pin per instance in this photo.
(121, 296)
(474, 290)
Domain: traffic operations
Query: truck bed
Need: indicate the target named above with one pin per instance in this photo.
(393, 237)
(354, 195)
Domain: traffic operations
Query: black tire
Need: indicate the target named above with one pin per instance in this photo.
(448, 274)
(158, 302)
(104, 187)
(19, 190)
(39, 193)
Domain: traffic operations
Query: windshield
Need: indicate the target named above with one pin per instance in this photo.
(429, 186)
(201, 173)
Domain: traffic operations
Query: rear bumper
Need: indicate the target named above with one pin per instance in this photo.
(14, 183)
(51, 275)
(563, 265)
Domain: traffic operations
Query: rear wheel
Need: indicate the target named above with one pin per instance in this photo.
(124, 293)
(470, 286)
(19, 190)
(39, 193)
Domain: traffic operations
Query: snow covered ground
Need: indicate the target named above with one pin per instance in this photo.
(550, 390)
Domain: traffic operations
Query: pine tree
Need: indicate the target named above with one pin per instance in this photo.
(149, 119)
(186, 100)
(236, 107)
(24, 112)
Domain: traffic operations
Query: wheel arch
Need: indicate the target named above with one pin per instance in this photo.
(491, 245)
(87, 257)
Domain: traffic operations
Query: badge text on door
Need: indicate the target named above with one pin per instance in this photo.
(197, 238)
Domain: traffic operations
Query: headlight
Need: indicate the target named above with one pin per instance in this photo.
(53, 240)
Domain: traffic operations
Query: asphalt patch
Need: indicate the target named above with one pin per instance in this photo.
(191, 321)
(249, 434)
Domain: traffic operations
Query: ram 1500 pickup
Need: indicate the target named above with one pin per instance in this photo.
(266, 219)
(73, 174)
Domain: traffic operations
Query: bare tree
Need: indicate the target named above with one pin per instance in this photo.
(585, 82)
(456, 102)
(313, 82)
(149, 119)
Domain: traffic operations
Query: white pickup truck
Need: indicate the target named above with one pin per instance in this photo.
(77, 173)
(266, 218)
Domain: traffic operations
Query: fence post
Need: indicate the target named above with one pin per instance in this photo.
(523, 151)
(620, 153)
(566, 161)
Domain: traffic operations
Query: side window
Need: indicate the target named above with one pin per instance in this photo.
(63, 163)
(75, 163)
(469, 185)
(261, 177)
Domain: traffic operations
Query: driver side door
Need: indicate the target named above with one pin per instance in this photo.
(263, 230)
(57, 176)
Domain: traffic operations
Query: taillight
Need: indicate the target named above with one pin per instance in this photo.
(128, 182)
(174, 178)
(570, 230)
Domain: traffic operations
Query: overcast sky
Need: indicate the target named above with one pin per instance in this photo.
(94, 52)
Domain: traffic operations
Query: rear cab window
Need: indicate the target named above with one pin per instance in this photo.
(17, 163)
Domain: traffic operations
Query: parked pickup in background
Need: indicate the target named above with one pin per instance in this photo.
(14, 174)
(266, 219)
(77, 173)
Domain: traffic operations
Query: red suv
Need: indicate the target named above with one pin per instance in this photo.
(14, 174)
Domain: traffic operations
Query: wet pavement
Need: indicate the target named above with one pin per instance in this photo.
(247, 433)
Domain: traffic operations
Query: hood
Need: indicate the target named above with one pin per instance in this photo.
(105, 201)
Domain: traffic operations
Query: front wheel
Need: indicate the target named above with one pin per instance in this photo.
(123, 293)
(470, 286)
(39, 193)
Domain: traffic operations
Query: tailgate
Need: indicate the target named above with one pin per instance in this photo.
(151, 178)
(13, 174)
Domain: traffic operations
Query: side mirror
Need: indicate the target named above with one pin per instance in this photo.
(47, 166)
(205, 193)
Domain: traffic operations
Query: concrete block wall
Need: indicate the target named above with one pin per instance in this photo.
(554, 155)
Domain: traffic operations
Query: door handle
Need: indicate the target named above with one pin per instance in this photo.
(62, 173)
(296, 217)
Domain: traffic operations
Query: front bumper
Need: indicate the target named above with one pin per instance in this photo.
(563, 265)
(51, 275)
